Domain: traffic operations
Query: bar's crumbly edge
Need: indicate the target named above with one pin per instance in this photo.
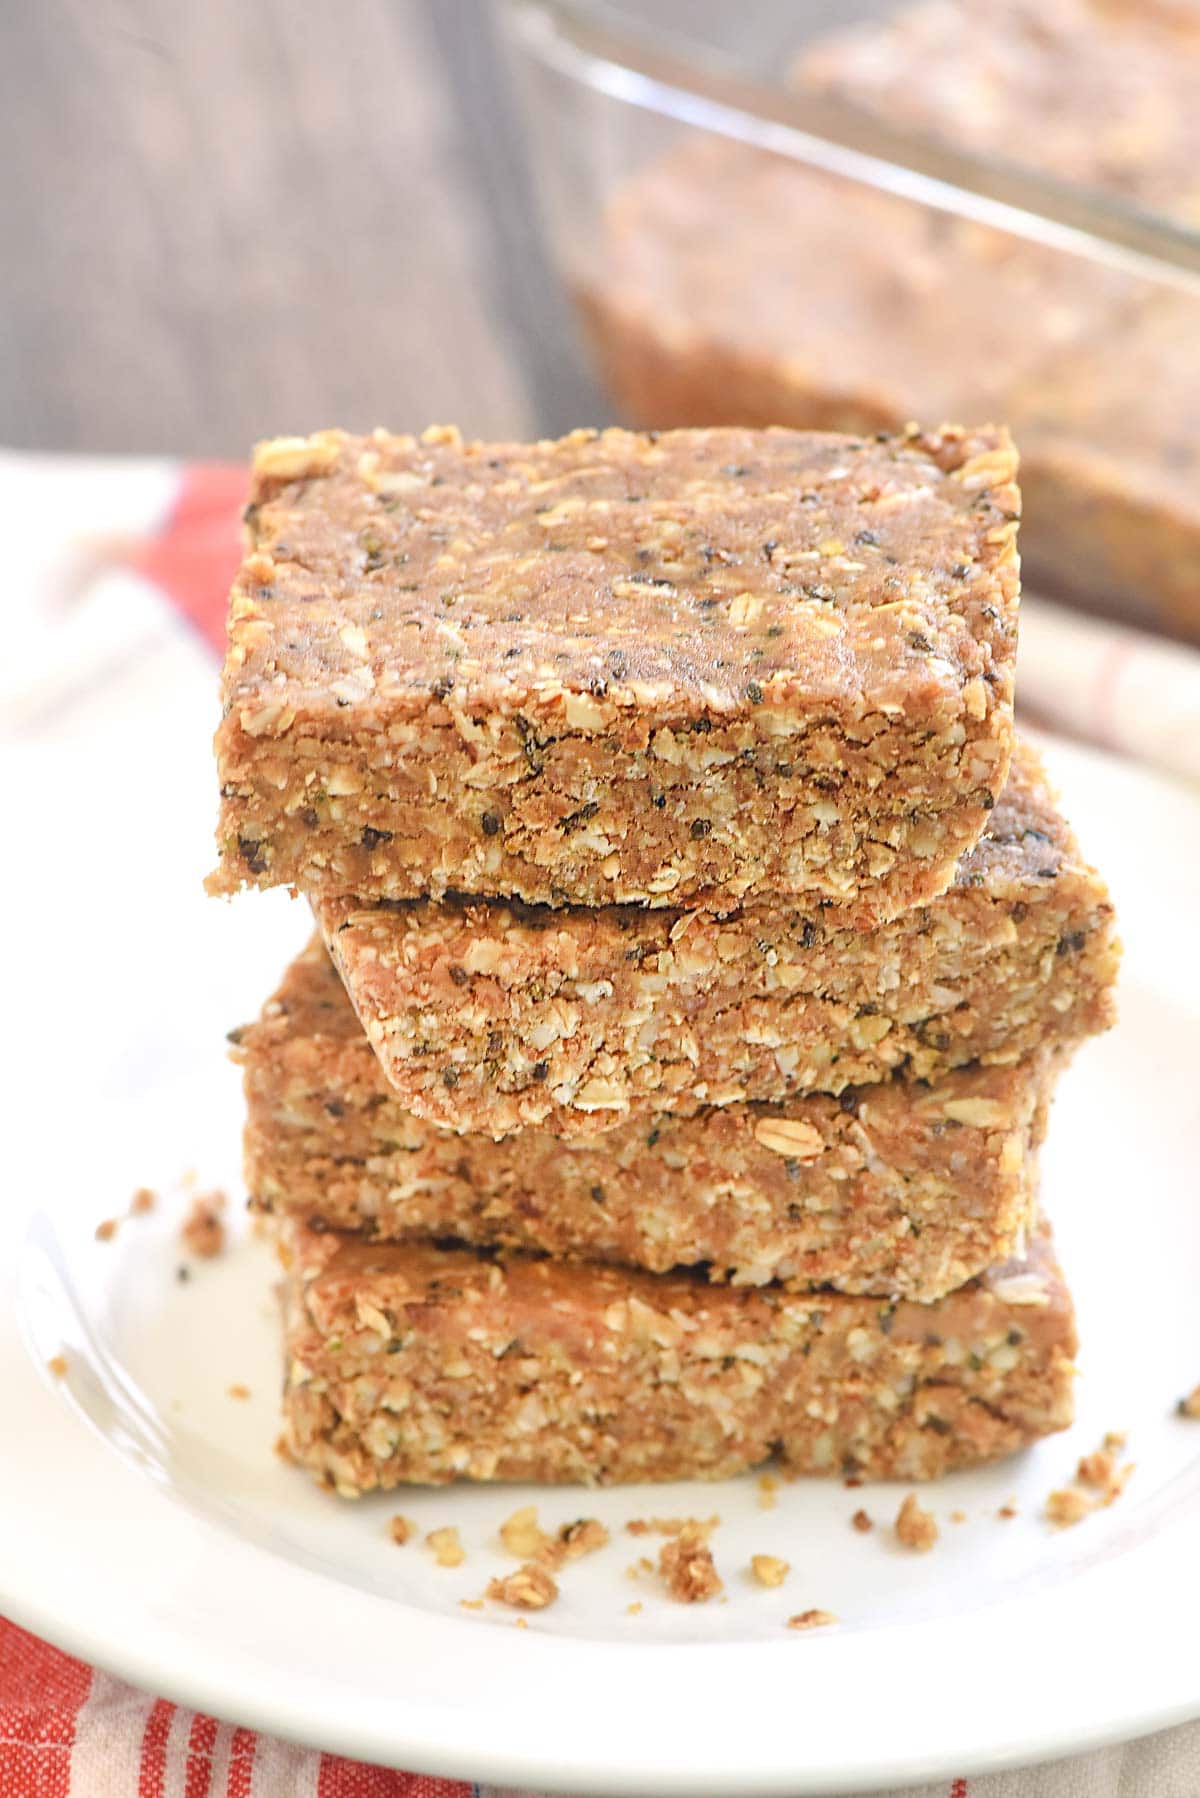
(426, 1365)
(495, 1017)
(901, 1189)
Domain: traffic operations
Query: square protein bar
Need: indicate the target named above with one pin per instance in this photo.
(898, 1189)
(490, 1017)
(674, 670)
(422, 1364)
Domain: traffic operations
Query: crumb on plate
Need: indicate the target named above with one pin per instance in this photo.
(811, 1619)
(915, 1528)
(572, 1541)
(521, 1534)
(530, 1588)
(686, 1565)
(862, 1521)
(1096, 1469)
(143, 1200)
(59, 1366)
(401, 1529)
(1099, 1482)
(107, 1230)
(448, 1551)
(769, 1570)
(1067, 1505)
(203, 1229)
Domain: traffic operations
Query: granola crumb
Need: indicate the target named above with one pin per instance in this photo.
(672, 1526)
(530, 1588)
(1006, 1512)
(768, 1487)
(1118, 1483)
(852, 1482)
(522, 1622)
(283, 1448)
(958, 1516)
(401, 1529)
(107, 1230)
(769, 1570)
(915, 1528)
(572, 1541)
(1190, 1406)
(448, 1551)
(471, 1604)
(811, 1619)
(1067, 1506)
(521, 1535)
(59, 1366)
(632, 1610)
(862, 1521)
(143, 1200)
(202, 1230)
(1104, 1481)
(1096, 1469)
(686, 1565)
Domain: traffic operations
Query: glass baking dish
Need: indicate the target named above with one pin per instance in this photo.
(747, 241)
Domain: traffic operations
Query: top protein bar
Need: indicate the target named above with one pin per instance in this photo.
(679, 669)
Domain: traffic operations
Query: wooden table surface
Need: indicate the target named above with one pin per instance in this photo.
(224, 220)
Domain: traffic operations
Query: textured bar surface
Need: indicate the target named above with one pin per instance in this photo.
(900, 1189)
(427, 1365)
(676, 669)
(491, 1016)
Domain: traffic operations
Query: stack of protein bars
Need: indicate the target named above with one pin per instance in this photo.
(663, 1088)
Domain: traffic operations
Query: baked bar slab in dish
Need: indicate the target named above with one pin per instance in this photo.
(1100, 96)
(490, 1017)
(898, 1189)
(428, 1365)
(731, 286)
(676, 669)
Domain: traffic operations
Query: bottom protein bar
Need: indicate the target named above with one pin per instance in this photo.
(420, 1364)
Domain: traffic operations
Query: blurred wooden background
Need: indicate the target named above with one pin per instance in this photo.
(224, 219)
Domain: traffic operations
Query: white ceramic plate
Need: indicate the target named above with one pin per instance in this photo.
(148, 1526)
